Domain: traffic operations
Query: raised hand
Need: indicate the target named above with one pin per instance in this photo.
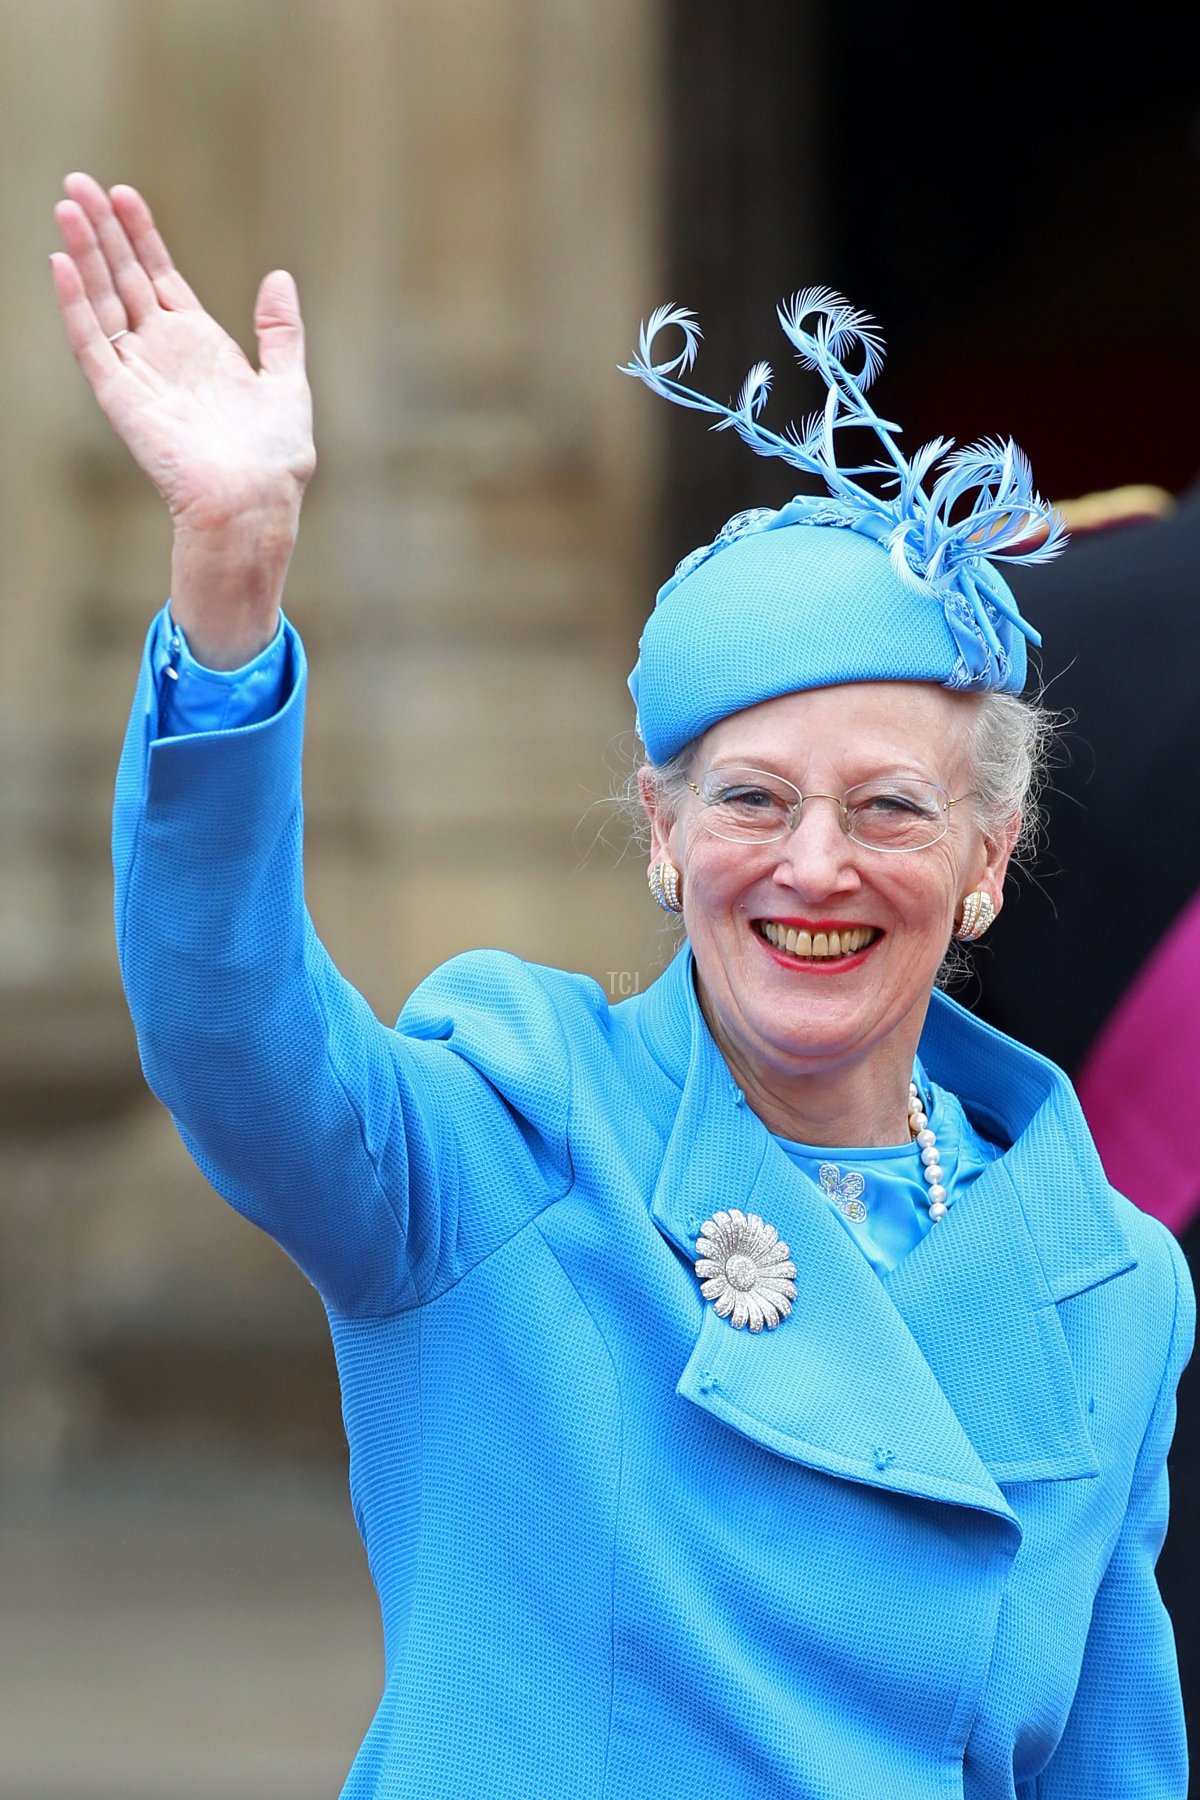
(228, 446)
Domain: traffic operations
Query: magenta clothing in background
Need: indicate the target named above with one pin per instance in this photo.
(1140, 1083)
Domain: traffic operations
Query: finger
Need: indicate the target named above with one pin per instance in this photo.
(128, 276)
(89, 342)
(278, 325)
(138, 221)
(83, 247)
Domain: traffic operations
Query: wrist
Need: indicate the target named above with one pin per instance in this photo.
(227, 581)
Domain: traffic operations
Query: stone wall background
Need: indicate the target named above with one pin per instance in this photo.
(467, 193)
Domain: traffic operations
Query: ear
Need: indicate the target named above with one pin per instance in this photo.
(990, 865)
(661, 824)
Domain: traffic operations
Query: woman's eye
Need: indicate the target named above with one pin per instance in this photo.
(753, 799)
(907, 805)
(890, 803)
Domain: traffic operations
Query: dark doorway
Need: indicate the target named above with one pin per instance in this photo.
(1014, 197)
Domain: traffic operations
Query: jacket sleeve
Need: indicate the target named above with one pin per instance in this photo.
(363, 1150)
(1125, 1737)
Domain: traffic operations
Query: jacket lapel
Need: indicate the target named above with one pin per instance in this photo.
(949, 1378)
(980, 1293)
(841, 1385)
(975, 1298)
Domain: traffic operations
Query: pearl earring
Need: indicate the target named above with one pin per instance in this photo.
(977, 914)
(663, 880)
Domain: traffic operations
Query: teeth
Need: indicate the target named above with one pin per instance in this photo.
(820, 943)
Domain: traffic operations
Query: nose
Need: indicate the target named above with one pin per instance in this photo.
(817, 857)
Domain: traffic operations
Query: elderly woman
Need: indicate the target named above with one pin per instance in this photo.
(655, 1504)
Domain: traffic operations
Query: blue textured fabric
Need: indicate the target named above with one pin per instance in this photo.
(193, 698)
(901, 1546)
(880, 1195)
(789, 607)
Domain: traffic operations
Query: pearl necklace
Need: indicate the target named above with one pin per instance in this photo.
(918, 1124)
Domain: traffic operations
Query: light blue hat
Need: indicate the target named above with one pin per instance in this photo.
(901, 592)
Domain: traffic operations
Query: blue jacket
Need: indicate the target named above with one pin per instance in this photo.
(903, 1546)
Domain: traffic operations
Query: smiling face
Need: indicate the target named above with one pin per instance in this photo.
(825, 1042)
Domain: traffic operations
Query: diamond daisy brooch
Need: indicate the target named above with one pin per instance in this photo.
(745, 1270)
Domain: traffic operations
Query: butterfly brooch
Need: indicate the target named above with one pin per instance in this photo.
(844, 1191)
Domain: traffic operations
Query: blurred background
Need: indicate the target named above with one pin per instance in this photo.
(480, 199)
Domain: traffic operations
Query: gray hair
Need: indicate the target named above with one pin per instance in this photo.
(1011, 746)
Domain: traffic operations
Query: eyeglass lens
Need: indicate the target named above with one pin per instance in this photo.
(891, 811)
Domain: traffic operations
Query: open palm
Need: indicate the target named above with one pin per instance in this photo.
(217, 437)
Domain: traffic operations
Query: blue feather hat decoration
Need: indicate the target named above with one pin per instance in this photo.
(907, 590)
